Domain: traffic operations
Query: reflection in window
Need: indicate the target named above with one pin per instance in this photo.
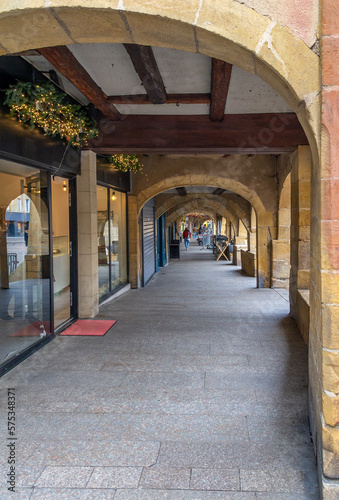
(112, 244)
(24, 259)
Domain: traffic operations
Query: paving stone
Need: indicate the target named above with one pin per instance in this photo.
(237, 454)
(215, 479)
(165, 478)
(182, 495)
(272, 480)
(287, 496)
(20, 494)
(164, 379)
(64, 477)
(179, 427)
(24, 449)
(25, 475)
(177, 363)
(65, 379)
(115, 477)
(72, 494)
(96, 453)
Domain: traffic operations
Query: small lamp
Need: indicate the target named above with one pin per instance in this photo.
(113, 196)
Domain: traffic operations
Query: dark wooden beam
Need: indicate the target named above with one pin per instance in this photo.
(181, 191)
(220, 82)
(146, 66)
(242, 134)
(64, 61)
(170, 99)
(219, 191)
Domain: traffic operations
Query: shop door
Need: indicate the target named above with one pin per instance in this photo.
(62, 245)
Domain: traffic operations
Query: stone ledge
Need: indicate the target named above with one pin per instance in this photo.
(248, 262)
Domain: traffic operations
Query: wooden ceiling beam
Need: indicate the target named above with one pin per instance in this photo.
(170, 99)
(219, 191)
(220, 82)
(181, 191)
(146, 66)
(243, 134)
(64, 61)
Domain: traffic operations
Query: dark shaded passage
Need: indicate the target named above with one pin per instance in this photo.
(201, 385)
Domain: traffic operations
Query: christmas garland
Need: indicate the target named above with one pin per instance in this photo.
(45, 107)
(124, 162)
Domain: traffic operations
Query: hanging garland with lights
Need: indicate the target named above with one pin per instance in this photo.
(45, 107)
(125, 162)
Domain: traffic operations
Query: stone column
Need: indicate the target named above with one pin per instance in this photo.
(300, 225)
(133, 242)
(88, 281)
(265, 230)
(324, 288)
(252, 234)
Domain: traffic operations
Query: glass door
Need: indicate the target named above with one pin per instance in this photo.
(24, 259)
(61, 251)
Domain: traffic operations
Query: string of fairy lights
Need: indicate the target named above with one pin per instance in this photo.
(46, 107)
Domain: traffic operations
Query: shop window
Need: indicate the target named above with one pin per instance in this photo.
(112, 240)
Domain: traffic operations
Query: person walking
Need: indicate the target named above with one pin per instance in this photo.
(187, 235)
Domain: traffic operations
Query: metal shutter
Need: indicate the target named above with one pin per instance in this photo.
(148, 231)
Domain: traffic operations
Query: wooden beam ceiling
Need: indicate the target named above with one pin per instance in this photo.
(181, 191)
(236, 134)
(146, 66)
(64, 61)
(219, 191)
(220, 82)
(170, 99)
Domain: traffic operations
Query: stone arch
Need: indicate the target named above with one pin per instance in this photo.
(201, 204)
(177, 214)
(201, 180)
(219, 30)
(223, 205)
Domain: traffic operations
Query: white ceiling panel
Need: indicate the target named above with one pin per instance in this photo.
(164, 109)
(250, 94)
(110, 67)
(183, 72)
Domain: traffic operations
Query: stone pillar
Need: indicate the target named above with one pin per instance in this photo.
(252, 234)
(281, 260)
(300, 225)
(88, 281)
(133, 241)
(265, 230)
(324, 288)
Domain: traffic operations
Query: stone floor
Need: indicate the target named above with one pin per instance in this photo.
(199, 392)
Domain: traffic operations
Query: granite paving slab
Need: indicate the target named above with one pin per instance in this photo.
(165, 478)
(215, 479)
(182, 495)
(72, 494)
(115, 477)
(67, 477)
(96, 453)
(280, 481)
(25, 475)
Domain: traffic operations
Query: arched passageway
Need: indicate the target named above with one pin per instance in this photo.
(274, 48)
(186, 393)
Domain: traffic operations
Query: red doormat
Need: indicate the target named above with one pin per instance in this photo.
(88, 327)
(33, 330)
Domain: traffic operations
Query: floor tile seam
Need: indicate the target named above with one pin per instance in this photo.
(39, 475)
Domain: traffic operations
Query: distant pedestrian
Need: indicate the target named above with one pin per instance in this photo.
(187, 236)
